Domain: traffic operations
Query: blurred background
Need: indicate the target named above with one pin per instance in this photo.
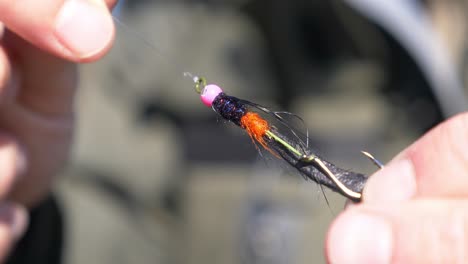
(157, 177)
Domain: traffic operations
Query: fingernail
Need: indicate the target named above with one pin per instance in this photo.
(394, 183)
(16, 217)
(360, 238)
(84, 28)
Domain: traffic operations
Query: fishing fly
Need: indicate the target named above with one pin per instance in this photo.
(273, 132)
(281, 139)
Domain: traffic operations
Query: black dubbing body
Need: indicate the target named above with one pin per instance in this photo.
(233, 109)
(229, 107)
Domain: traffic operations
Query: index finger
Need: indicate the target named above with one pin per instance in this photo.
(434, 166)
(77, 30)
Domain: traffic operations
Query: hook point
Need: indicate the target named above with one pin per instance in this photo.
(371, 158)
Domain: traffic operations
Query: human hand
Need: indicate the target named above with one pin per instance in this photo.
(38, 79)
(415, 210)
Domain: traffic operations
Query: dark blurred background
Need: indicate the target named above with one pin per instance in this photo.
(157, 177)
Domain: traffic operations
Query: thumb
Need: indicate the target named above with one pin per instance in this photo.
(419, 231)
(435, 166)
(78, 30)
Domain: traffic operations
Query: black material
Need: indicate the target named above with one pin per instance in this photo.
(229, 107)
(233, 109)
(43, 241)
(352, 180)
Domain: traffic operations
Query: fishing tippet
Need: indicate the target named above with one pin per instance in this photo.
(293, 149)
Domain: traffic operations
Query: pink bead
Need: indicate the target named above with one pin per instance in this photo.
(209, 93)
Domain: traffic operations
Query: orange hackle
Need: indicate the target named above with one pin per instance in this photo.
(256, 127)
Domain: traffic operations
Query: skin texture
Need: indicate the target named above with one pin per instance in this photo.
(415, 210)
(41, 42)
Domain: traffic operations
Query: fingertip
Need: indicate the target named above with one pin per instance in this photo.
(12, 164)
(20, 225)
(7, 165)
(13, 224)
(85, 28)
(357, 237)
(394, 183)
(16, 218)
(5, 70)
(9, 78)
(76, 30)
(2, 29)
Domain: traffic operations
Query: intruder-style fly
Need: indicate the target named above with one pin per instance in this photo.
(281, 139)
